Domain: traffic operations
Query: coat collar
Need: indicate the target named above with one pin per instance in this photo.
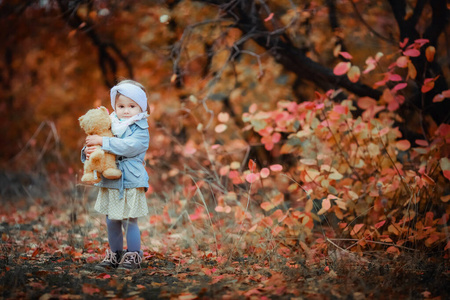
(142, 123)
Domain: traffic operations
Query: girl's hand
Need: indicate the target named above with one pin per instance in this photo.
(92, 140)
(88, 150)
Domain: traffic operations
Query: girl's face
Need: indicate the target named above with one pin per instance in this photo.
(126, 108)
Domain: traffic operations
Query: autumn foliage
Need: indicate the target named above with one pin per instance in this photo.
(263, 182)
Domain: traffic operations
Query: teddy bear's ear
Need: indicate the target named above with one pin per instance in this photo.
(81, 118)
(104, 109)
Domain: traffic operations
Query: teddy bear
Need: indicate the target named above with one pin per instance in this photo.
(97, 121)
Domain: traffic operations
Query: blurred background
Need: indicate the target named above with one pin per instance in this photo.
(197, 59)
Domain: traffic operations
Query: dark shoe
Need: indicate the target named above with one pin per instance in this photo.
(111, 261)
(130, 261)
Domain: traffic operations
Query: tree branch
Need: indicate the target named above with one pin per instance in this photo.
(107, 62)
(284, 52)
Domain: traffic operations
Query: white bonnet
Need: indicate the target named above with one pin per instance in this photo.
(131, 91)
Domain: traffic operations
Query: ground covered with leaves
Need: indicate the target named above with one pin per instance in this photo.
(49, 252)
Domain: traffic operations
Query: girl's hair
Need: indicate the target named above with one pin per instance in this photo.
(137, 84)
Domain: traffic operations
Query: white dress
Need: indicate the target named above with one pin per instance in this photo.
(133, 204)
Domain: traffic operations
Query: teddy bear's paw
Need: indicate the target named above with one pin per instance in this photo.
(97, 156)
(112, 173)
(90, 179)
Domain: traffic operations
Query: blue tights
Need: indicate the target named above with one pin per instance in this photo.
(115, 235)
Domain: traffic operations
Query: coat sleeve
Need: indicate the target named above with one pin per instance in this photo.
(129, 146)
(83, 155)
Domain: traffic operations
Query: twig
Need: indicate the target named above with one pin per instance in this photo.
(368, 26)
(207, 211)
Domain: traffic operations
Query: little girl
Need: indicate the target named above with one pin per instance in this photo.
(123, 200)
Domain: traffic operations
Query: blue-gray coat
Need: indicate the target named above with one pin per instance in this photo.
(130, 153)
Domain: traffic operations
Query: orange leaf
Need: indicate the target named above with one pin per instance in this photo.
(393, 250)
(445, 199)
(412, 72)
(326, 205)
(366, 102)
(429, 53)
(447, 246)
(403, 145)
(267, 205)
(278, 199)
(267, 222)
(342, 68)
(356, 228)
(206, 271)
(428, 179)
(276, 230)
(431, 240)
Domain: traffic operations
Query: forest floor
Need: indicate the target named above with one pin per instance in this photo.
(48, 252)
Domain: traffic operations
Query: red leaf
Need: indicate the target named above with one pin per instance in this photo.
(428, 84)
(399, 86)
(446, 93)
(438, 98)
(252, 177)
(276, 168)
(404, 43)
(395, 77)
(342, 68)
(411, 52)
(269, 17)
(251, 164)
(446, 174)
(379, 224)
(422, 143)
(90, 289)
(421, 42)
(346, 55)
